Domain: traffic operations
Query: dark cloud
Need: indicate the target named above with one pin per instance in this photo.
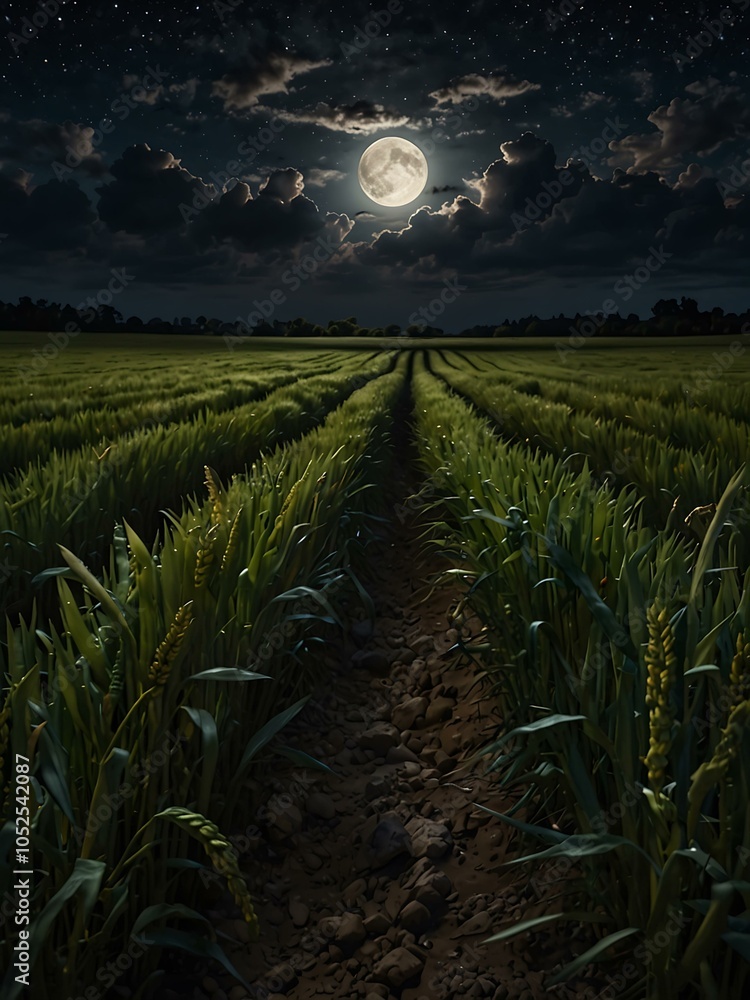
(526, 170)
(526, 222)
(281, 218)
(282, 185)
(267, 74)
(481, 73)
(499, 85)
(148, 191)
(714, 114)
(37, 142)
(50, 217)
(526, 215)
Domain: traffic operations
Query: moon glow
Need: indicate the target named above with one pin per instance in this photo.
(392, 171)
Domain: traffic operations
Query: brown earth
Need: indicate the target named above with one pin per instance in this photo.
(383, 879)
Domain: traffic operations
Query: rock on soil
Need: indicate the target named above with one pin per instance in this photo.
(389, 839)
(398, 967)
(380, 881)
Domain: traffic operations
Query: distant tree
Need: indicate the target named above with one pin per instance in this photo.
(343, 327)
(666, 307)
(423, 331)
(689, 308)
(300, 327)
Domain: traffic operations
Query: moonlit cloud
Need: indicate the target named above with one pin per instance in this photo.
(240, 88)
(360, 118)
(499, 86)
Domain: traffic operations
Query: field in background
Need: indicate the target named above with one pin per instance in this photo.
(164, 500)
(17, 347)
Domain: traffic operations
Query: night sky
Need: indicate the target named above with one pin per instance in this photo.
(212, 151)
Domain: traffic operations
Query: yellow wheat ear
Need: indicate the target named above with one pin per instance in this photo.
(221, 854)
(214, 495)
(739, 707)
(660, 662)
(739, 675)
(731, 736)
(205, 557)
(169, 647)
(232, 541)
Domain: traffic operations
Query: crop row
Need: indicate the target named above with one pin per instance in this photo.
(675, 481)
(76, 497)
(620, 656)
(698, 381)
(96, 387)
(156, 655)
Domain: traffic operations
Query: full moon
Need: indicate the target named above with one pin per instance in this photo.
(392, 171)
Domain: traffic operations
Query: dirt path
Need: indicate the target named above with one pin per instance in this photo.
(381, 881)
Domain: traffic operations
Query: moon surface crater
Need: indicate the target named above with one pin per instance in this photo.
(392, 171)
